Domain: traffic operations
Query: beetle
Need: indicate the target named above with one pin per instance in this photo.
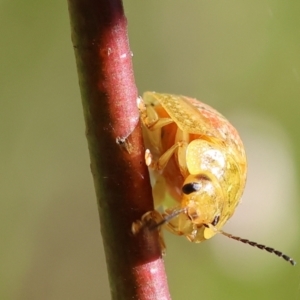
(197, 158)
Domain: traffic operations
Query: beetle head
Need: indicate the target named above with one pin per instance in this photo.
(202, 198)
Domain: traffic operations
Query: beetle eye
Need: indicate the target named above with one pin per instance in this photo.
(216, 220)
(191, 187)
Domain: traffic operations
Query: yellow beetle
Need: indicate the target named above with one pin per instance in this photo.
(197, 157)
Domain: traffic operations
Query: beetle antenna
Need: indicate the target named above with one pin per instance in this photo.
(261, 247)
(167, 218)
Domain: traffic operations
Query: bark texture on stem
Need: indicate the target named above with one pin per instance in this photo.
(99, 35)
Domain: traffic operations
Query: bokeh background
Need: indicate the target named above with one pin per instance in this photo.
(241, 57)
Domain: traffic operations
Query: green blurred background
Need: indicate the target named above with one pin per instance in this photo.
(241, 57)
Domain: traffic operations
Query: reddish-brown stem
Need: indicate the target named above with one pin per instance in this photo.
(99, 35)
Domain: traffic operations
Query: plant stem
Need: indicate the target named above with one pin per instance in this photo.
(121, 179)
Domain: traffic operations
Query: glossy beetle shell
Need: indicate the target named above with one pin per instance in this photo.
(195, 156)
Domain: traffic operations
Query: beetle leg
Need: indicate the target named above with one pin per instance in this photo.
(180, 146)
(150, 118)
(175, 224)
(159, 123)
(161, 163)
(149, 221)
